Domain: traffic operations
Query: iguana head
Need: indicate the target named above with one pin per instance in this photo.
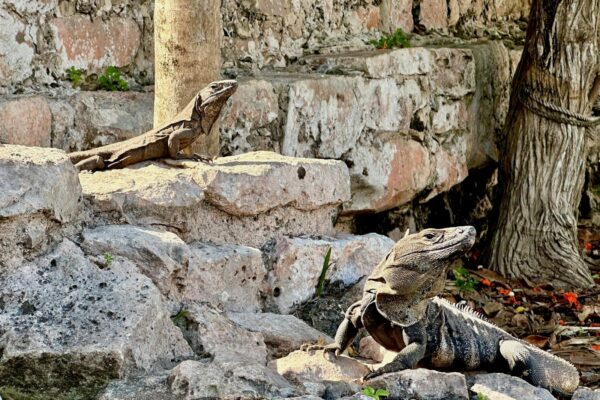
(415, 270)
(211, 99)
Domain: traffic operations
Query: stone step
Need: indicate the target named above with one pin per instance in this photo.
(246, 199)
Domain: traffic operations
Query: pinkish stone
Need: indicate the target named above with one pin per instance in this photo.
(434, 14)
(451, 169)
(397, 14)
(95, 44)
(408, 175)
(26, 121)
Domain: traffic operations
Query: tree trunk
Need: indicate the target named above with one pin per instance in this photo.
(542, 172)
(187, 47)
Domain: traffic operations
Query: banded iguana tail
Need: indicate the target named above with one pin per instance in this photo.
(196, 119)
(399, 311)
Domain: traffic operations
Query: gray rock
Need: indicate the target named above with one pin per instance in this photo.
(162, 256)
(499, 386)
(40, 201)
(422, 384)
(584, 393)
(228, 276)
(282, 333)
(296, 264)
(213, 335)
(200, 380)
(139, 388)
(239, 199)
(67, 324)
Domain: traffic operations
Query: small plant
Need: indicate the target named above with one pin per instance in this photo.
(376, 394)
(181, 314)
(397, 39)
(326, 265)
(75, 76)
(108, 259)
(463, 280)
(481, 396)
(111, 80)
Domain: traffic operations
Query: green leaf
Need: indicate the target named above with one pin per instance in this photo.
(111, 80)
(324, 268)
(382, 393)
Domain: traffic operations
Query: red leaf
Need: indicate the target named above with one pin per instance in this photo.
(571, 298)
(503, 292)
(588, 246)
(486, 282)
(596, 347)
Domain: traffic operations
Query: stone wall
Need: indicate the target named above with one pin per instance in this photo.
(40, 39)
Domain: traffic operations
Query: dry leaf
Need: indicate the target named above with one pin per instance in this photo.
(537, 340)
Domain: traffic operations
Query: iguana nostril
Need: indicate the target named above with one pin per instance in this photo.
(276, 292)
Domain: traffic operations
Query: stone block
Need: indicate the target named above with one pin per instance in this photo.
(237, 200)
(297, 264)
(95, 44)
(62, 313)
(26, 121)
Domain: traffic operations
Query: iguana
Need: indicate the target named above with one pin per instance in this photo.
(165, 141)
(400, 311)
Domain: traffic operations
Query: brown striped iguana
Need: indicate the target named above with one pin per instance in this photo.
(166, 141)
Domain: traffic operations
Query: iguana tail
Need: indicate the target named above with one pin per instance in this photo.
(540, 367)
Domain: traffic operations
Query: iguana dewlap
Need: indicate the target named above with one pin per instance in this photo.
(400, 311)
(166, 141)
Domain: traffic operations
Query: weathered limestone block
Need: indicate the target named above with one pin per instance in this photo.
(506, 387)
(418, 384)
(146, 387)
(389, 174)
(40, 199)
(296, 264)
(211, 334)
(313, 367)
(197, 380)
(586, 394)
(91, 119)
(68, 324)
(229, 276)
(92, 45)
(161, 256)
(26, 121)
(327, 116)
(34, 178)
(16, 48)
(249, 120)
(245, 199)
(433, 14)
(282, 333)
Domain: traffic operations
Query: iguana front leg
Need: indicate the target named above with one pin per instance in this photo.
(188, 136)
(415, 337)
(345, 334)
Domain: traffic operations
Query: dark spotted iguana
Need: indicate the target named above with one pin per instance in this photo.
(400, 311)
(166, 141)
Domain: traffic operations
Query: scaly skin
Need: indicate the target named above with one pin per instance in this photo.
(400, 311)
(196, 119)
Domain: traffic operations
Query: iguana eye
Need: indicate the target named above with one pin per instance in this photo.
(429, 235)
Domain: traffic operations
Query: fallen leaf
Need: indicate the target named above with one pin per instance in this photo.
(571, 298)
(486, 282)
(503, 292)
(537, 340)
(520, 309)
(596, 347)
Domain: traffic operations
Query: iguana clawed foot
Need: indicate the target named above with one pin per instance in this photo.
(195, 157)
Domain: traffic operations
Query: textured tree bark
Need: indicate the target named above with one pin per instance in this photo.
(187, 56)
(542, 170)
